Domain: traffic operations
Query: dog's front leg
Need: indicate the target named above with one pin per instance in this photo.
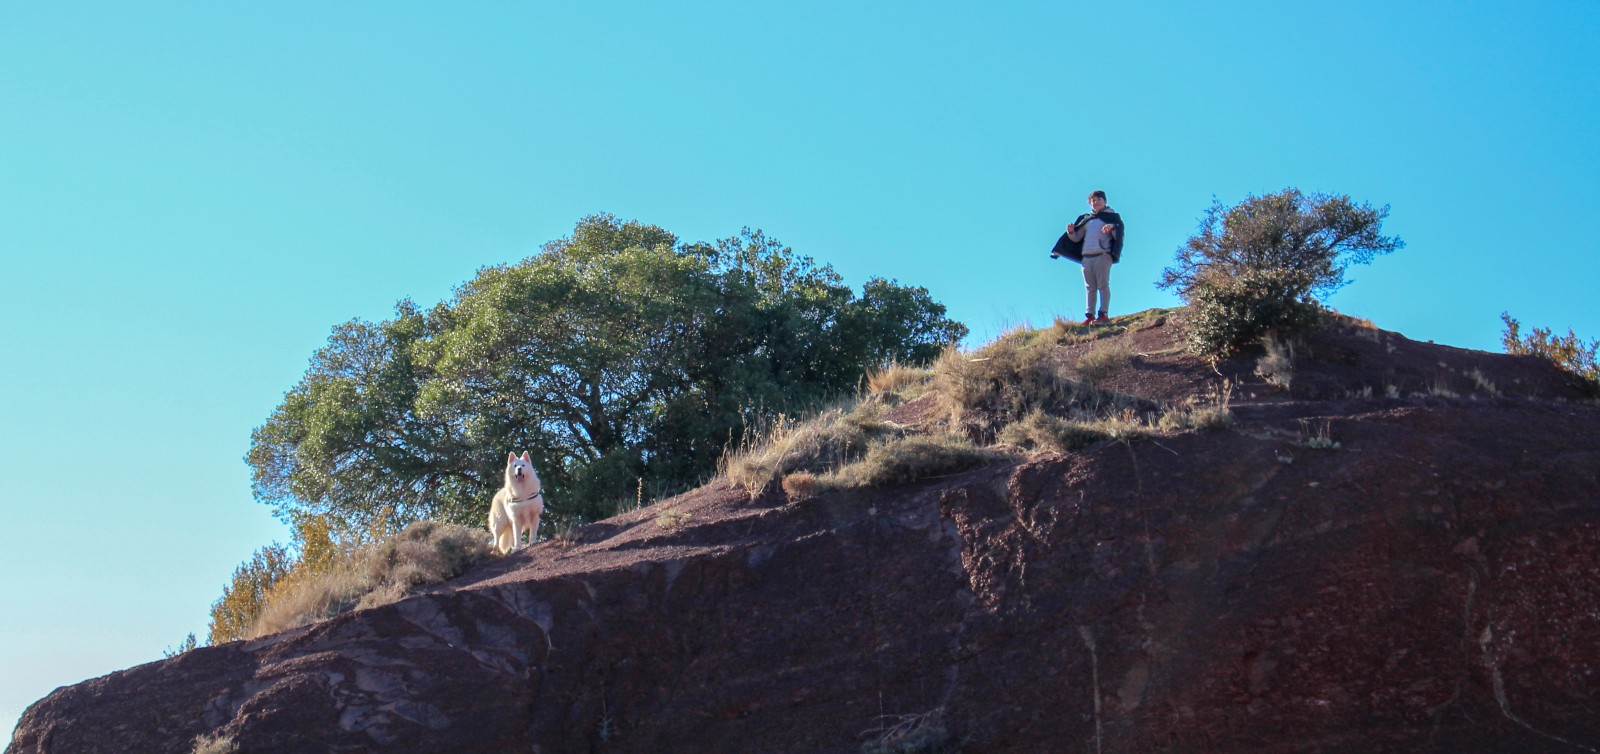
(516, 531)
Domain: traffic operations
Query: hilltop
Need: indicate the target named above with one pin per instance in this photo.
(1382, 545)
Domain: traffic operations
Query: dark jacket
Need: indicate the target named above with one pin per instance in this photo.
(1066, 247)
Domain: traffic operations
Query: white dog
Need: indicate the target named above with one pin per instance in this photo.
(517, 506)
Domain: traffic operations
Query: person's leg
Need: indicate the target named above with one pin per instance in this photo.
(1090, 288)
(1096, 282)
(1105, 287)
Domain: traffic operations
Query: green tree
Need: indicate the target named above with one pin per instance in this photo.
(1264, 264)
(614, 355)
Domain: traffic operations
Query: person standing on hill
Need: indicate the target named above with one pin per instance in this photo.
(1095, 241)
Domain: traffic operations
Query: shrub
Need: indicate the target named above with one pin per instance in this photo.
(1566, 351)
(908, 459)
(801, 485)
(1263, 265)
(1049, 432)
(999, 383)
(833, 438)
(895, 379)
(1230, 312)
(423, 553)
(215, 744)
(1276, 365)
(670, 520)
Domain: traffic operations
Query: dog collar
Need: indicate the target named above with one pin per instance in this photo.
(540, 493)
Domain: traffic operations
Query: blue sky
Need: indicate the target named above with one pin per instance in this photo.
(191, 195)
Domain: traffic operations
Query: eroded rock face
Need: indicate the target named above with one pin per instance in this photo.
(1430, 584)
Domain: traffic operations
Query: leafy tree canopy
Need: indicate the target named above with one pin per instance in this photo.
(1264, 264)
(616, 356)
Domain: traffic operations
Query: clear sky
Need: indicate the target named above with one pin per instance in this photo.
(192, 194)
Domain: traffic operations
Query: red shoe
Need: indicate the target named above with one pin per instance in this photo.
(1102, 320)
(1087, 321)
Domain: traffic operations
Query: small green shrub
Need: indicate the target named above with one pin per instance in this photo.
(1232, 312)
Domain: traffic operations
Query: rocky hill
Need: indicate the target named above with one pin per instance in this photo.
(1393, 548)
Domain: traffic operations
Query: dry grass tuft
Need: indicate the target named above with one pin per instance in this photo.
(909, 459)
(1203, 414)
(1277, 364)
(215, 744)
(423, 553)
(896, 379)
(670, 520)
(799, 486)
(1103, 361)
(998, 383)
(834, 438)
(1041, 431)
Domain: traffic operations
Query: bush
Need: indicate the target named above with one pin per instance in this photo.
(999, 383)
(1229, 313)
(908, 459)
(1263, 265)
(215, 744)
(1567, 351)
(424, 553)
(1039, 430)
(834, 438)
(1276, 365)
(801, 485)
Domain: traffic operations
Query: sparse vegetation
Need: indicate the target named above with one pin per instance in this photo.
(189, 642)
(1103, 361)
(1043, 431)
(999, 383)
(1263, 265)
(1203, 414)
(1581, 360)
(1276, 365)
(672, 519)
(908, 459)
(423, 553)
(215, 744)
(834, 438)
(913, 734)
(799, 486)
(1318, 435)
(896, 379)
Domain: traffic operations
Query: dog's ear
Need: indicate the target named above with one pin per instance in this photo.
(511, 457)
(525, 457)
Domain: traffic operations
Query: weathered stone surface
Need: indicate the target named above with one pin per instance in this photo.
(1430, 585)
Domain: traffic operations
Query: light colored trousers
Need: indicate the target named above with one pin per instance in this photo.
(1097, 279)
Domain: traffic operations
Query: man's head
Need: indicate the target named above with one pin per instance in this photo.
(1097, 200)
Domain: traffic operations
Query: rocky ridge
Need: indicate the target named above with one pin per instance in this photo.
(1397, 553)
